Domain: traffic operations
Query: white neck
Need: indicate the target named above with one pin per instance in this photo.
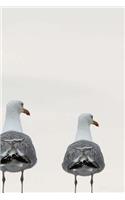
(12, 122)
(83, 132)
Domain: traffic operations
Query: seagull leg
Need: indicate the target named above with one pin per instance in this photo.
(22, 179)
(91, 182)
(75, 182)
(3, 180)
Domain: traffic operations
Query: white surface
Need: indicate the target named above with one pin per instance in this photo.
(66, 196)
(62, 3)
(70, 62)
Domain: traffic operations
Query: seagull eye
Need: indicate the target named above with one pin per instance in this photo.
(22, 104)
(92, 116)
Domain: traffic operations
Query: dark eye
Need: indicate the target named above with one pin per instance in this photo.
(92, 116)
(22, 104)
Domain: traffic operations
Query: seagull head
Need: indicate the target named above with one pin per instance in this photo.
(87, 118)
(17, 106)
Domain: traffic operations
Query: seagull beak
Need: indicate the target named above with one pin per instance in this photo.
(25, 111)
(95, 123)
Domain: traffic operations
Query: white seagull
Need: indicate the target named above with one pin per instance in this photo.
(84, 157)
(17, 151)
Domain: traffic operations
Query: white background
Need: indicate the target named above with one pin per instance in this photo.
(62, 3)
(96, 198)
(61, 62)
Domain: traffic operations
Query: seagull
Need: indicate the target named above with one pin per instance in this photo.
(17, 151)
(84, 157)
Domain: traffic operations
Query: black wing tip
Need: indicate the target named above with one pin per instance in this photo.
(7, 159)
(76, 165)
(22, 159)
(84, 163)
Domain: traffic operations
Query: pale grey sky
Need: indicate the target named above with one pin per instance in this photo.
(62, 62)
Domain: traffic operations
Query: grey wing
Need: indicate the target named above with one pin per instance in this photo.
(72, 155)
(95, 157)
(83, 154)
(84, 159)
(28, 148)
(24, 148)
